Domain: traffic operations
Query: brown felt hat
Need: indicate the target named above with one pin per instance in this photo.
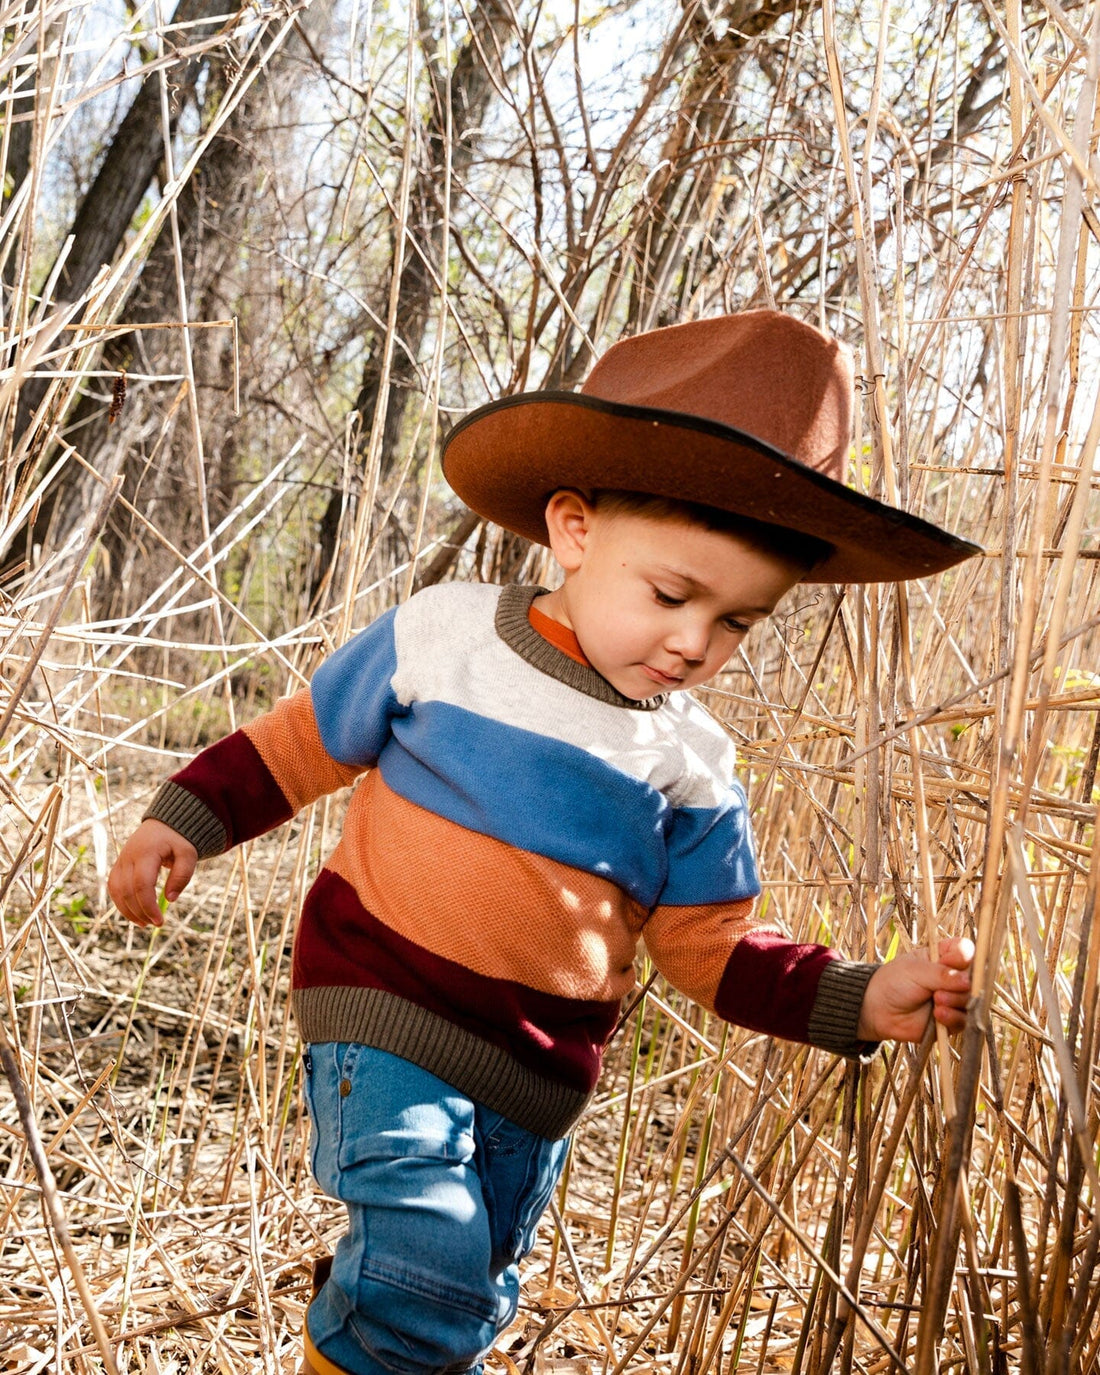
(750, 413)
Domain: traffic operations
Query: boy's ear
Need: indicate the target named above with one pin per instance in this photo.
(569, 516)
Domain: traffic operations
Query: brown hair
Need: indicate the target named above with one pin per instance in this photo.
(802, 550)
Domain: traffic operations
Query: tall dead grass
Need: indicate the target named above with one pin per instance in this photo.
(920, 760)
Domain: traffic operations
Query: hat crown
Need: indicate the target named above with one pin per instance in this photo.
(760, 372)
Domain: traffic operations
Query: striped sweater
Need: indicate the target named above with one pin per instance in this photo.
(516, 827)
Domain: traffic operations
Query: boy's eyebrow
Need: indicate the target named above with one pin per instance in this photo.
(695, 585)
(685, 578)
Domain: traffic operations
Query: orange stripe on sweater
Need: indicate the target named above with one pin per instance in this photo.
(288, 742)
(501, 912)
(691, 946)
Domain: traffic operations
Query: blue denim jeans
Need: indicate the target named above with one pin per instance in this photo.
(443, 1199)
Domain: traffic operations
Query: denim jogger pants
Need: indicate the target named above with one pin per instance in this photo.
(443, 1198)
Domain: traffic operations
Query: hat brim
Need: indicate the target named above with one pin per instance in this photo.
(507, 458)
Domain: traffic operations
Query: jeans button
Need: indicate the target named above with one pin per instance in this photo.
(345, 1087)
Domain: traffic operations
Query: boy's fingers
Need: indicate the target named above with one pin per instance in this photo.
(957, 952)
(953, 1018)
(141, 895)
(132, 883)
(952, 980)
(120, 887)
(145, 893)
(950, 1000)
(179, 876)
(934, 978)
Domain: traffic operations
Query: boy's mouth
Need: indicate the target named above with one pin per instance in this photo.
(660, 677)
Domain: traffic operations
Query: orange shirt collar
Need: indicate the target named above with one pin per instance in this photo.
(560, 636)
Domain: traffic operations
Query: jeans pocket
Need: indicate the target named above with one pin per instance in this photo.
(390, 1110)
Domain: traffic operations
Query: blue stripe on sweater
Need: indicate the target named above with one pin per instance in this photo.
(542, 795)
(353, 697)
(711, 857)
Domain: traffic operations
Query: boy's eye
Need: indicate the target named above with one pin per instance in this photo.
(735, 626)
(666, 598)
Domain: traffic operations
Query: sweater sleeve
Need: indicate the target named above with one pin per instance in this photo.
(754, 976)
(311, 743)
(705, 938)
(802, 992)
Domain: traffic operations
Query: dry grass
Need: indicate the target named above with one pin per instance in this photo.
(920, 760)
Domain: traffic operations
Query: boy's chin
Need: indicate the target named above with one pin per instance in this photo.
(642, 691)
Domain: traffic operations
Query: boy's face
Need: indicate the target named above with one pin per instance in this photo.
(657, 604)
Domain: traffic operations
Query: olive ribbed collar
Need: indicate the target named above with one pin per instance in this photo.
(517, 632)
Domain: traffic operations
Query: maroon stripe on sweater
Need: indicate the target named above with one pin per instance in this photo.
(237, 786)
(770, 984)
(340, 943)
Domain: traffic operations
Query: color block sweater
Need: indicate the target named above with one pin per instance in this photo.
(516, 828)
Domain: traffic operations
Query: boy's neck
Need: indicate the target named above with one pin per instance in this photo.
(552, 606)
(555, 630)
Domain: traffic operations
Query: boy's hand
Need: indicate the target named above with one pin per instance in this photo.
(902, 993)
(132, 882)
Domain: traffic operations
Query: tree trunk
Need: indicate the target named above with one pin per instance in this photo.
(471, 90)
(20, 136)
(133, 158)
(131, 162)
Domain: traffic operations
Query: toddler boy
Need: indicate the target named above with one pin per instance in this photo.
(537, 793)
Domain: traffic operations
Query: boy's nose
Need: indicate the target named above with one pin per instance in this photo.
(690, 642)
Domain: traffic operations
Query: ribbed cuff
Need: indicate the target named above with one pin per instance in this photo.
(193, 819)
(834, 1021)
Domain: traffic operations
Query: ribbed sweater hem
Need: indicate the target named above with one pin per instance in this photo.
(473, 1066)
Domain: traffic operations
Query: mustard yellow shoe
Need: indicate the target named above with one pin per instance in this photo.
(313, 1363)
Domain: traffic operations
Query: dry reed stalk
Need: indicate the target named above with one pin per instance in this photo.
(49, 1195)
